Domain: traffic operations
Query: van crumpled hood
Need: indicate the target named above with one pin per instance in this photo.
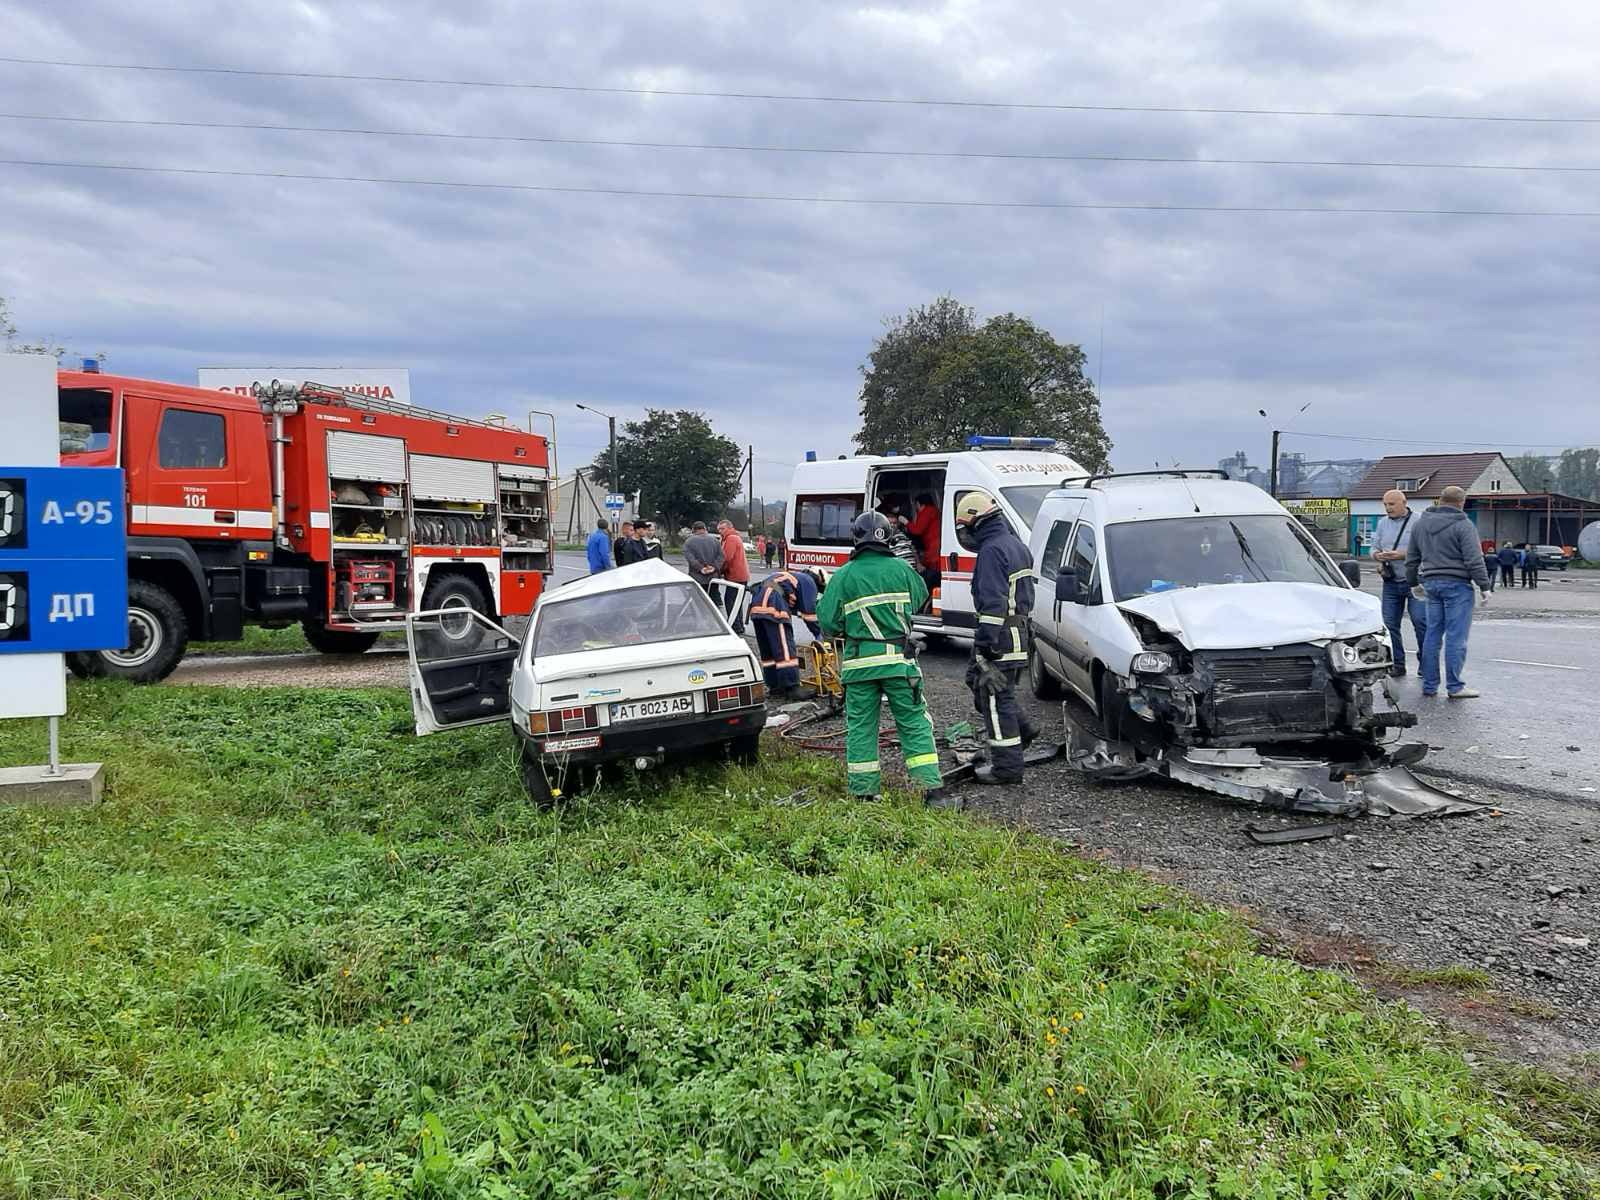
(1236, 616)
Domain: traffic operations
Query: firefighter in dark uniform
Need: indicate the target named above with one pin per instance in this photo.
(1002, 598)
(777, 600)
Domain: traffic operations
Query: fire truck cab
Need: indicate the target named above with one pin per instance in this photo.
(826, 496)
(304, 504)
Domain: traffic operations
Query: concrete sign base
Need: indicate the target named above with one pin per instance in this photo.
(77, 784)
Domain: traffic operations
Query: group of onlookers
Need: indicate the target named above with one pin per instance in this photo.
(1510, 559)
(635, 542)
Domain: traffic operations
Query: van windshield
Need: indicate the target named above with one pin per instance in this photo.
(1157, 556)
(1026, 500)
(627, 617)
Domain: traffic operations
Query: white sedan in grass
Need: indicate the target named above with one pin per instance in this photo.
(631, 665)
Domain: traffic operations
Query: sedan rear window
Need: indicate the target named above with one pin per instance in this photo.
(630, 617)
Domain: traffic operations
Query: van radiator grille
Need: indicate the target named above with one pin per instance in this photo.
(1250, 675)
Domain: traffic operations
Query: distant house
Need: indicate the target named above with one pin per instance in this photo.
(1422, 477)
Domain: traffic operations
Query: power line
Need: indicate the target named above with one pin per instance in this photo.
(766, 149)
(880, 202)
(801, 97)
(1493, 444)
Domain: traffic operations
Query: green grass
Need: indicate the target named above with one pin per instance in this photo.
(290, 640)
(299, 951)
(1458, 976)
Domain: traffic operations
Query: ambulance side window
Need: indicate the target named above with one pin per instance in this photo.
(824, 520)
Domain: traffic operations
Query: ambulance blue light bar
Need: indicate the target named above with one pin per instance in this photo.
(979, 441)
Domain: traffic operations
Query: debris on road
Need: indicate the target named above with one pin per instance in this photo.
(1263, 836)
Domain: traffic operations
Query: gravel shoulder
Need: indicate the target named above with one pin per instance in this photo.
(1513, 896)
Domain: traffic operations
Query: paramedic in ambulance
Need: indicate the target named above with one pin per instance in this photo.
(924, 531)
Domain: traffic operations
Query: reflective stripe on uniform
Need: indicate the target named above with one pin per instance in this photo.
(861, 602)
(994, 719)
(921, 760)
(1016, 741)
(1014, 656)
(877, 660)
(986, 619)
(872, 626)
(860, 767)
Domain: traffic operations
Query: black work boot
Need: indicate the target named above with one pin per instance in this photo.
(941, 797)
(986, 775)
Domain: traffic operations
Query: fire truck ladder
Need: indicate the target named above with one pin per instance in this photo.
(321, 393)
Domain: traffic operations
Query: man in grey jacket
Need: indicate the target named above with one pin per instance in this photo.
(1443, 561)
(702, 553)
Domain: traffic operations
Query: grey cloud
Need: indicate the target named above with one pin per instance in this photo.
(759, 313)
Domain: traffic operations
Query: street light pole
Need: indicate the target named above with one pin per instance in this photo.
(1272, 468)
(616, 476)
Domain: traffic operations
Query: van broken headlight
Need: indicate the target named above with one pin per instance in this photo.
(1152, 662)
(1363, 654)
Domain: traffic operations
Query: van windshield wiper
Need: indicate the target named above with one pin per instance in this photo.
(1244, 552)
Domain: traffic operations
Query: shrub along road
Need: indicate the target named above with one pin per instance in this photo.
(299, 951)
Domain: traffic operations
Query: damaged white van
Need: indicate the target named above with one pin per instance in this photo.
(1206, 628)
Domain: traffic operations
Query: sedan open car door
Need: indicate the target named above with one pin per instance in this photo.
(460, 669)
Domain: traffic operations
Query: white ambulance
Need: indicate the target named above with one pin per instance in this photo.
(827, 495)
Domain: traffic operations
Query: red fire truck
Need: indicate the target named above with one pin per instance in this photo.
(304, 504)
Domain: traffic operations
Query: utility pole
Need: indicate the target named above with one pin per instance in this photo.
(1273, 476)
(750, 494)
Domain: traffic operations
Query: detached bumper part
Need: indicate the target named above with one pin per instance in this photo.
(1316, 785)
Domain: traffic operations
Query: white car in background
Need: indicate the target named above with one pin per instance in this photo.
(631, 665)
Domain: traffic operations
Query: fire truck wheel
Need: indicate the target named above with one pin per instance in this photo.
(337, 641)
(450, 590)
(1045, 685)
(158, 634)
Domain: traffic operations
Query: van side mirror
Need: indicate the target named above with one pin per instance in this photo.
(1067, 590)
(1352, 571)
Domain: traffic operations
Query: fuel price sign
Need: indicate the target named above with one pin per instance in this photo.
(63, 560)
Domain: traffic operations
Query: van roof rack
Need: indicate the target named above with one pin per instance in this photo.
(1088, 481)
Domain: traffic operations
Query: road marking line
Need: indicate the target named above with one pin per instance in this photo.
(1517, 662)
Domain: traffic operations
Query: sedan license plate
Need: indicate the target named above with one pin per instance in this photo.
(645, 710)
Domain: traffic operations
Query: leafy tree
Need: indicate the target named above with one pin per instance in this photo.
(896, 387)
(681, 468)
(1532, 471)
(935, 378)
(1578, 474)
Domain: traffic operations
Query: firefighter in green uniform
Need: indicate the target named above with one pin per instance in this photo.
(868, 603)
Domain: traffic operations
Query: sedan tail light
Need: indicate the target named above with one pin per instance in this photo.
(743, 695)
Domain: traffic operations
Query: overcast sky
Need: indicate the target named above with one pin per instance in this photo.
(759, 313)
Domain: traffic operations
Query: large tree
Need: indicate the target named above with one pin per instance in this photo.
(1532, 471)
(1578, 474)
(681, 469)
(935, 377)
